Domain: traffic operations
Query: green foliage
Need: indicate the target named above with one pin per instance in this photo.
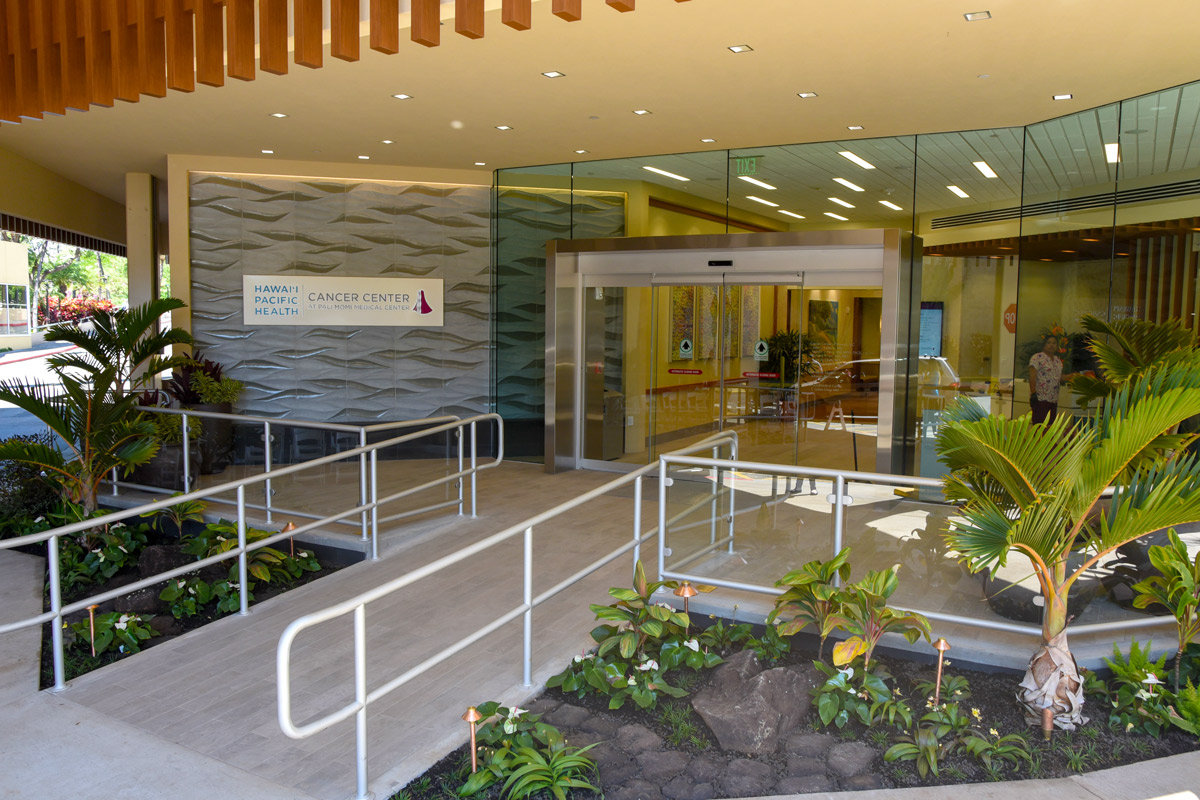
(184, 511)
(722, 638)
(1136, 696)
(265, 564)
(126, 632)
(225, 390)
(99, 555)
(789, 355)
(676, 652)
(555, 771)
(770, 647)
(188, 596)
(998, 751)
(202, 381)
(679, 720)
(850, 694)
(24, 493)
(168, 428)
(1186, 712)
(864, 613)
(955, 688)
(644, 682)
(1177, 588)
(642, 624)
(811, 597)
(920, 745)
(1126, 349)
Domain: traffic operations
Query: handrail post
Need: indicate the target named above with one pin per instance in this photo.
(662, 515)
(360, 698)
(187, 457)
(362, 477)
(732, 514)
(266, 469)
(528, 648)
(458, 433)
(56, 625)
(473, 469)
(716, 477)
(839, 489)
(637, 521)
(243, 590)
(374, 505)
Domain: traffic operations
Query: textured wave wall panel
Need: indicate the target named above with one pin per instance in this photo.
(291, 226)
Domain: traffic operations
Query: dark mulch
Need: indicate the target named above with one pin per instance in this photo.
(804, 760)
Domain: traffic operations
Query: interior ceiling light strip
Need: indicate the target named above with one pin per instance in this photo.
(791, 214)
(756, 182)
(1112, 152)
(760, 200)
(854, 187)
(987, 171)
(836, 216)
(1165, 191)
(213, 40)
(841, 202)
(890, 205)
(977, 16)
(862, 162)
(958, 191)
(668, 174)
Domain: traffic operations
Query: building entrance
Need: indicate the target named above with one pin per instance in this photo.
(798, 342)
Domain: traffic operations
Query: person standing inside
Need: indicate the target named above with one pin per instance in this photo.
(1045, 377)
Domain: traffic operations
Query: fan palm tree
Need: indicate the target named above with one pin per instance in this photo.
(128, 342)
(1037, 490)
(99, 433)
(1133, 347)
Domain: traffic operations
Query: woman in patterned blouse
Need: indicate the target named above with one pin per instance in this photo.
(1045, 376)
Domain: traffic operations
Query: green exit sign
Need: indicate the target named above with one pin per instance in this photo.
(746, 165)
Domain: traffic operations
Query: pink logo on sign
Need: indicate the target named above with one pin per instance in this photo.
(422, 305)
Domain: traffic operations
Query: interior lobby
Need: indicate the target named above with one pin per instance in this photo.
(812, 224)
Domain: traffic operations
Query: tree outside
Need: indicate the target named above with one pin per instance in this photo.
(68, 282)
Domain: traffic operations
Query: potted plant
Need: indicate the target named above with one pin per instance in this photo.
(202, 386)
(165, 469)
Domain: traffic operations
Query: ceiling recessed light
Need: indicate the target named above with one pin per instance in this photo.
(402, 96)
(987, 171)
(1063, 96)
(278, 115)
(958, 191)
(841, 202)
(388, 141)
(854, 127)
(984, 75)
(641, 112)
(580, 152)
(1091, 240)
(1068, 251)
(836, 216)
(504, 127)
(708, 141)
(740, 48)
(481, 163)
(756, 182)
(668, 174)
(854, 187)
(760, 200)
(890, 205)
(862, 162)
(364, 158)
(1112, 152)
(267, 152)
(555, 74)
(806, 95)
(976, 16)
(791, 214)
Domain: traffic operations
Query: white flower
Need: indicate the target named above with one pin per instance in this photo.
(234, 586)
(848, 672)
(1152, 680)
(121, 547)
(993, 732)
(1143, 694)
(125, 618)
(220, 538)
(121, 626)
(1128, 727)
(191, 590)
(647, 665)
(39, 519)
(181, 584)
(99, 557)
(667, 606)
(578, 659)
(303, 554)
(693, 645)
(976, 714)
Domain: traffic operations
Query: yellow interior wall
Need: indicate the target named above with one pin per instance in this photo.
(31, 191)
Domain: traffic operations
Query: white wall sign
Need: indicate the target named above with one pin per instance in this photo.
(330, 300)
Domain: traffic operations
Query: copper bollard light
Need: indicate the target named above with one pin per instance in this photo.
(941, 645)
(472, 716)
(92, 626)
(288, 528)
(686, 590)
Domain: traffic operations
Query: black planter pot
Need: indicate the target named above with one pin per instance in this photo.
(165, 470)
(1014, 593)
(216, 441)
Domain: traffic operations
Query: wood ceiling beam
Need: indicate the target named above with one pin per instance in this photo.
(152, 49)
(570, 10)
(239, 29)
(343, 31)
(273, 36)
(307, 23)
(73, 52)
(621, 5)
(385, 26)
(97, 45)
(127, 78)
(181, 46)
(49, 59)
(517, 14)
(468, 18)
(210, 43)
(25, 76)
(426, 25)
(8, 86)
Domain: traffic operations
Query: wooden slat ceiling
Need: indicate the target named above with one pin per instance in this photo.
(60, 54)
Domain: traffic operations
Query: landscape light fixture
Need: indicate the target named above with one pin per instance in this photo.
(941, 645)
(471, 717)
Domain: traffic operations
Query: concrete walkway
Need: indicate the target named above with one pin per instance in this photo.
(195, 717)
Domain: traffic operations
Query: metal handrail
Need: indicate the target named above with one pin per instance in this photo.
(369, 505)
(358, 604)
(268, 438)
(839, 499)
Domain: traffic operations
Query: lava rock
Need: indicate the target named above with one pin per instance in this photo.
(603, 727)
(810, 745)
(635, 790)
(660, 767)
(682, 789)
(615, 771)
(746, 778)
(543, 705)
(607, 753)
(705, 769)
(143, 601)
(804, 785)
(567, 716)
(737, 669)
(166, 625)
(158, 558)
(749, 716)
(636, 739)
(848, 759)
(864, 782)
(802, 766)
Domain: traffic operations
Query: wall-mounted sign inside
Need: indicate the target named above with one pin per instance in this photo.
(326, 300)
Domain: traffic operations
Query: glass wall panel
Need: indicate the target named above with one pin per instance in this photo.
(532, 207)
(1158, 207)
(1066, 242)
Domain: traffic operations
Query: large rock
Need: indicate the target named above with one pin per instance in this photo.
(660, 767)
(848, 759)
(746, 778)
(749, 711)
(567, 716)
(636, 789)
(158, 558)
(682, 789)
(637, 739)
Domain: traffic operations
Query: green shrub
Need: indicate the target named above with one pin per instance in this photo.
(126, 632)
(24, 493)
